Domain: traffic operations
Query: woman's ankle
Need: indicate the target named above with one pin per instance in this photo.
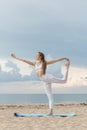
(51, 111)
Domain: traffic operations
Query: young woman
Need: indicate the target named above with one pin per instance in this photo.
(40, 67)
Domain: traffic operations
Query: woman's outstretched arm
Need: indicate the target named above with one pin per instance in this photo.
(57, 60)
(23, 60)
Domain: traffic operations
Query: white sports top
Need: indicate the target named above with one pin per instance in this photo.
(38, 67)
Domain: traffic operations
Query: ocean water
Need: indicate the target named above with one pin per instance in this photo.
(41, 98)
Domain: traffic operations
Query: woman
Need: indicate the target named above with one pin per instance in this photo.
(40, 68)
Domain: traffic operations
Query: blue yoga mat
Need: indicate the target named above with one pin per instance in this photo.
(43, 115)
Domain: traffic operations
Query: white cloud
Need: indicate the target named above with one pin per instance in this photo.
(77, 77)
(3, 65)
(14, 70)
(37, 87)
(24, 69)
(22, 87)
(77, 80)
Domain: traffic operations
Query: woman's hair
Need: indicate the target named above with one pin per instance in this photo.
(44, 66)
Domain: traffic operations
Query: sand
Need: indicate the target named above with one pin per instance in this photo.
(9, 122)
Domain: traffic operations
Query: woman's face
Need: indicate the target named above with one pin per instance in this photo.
(38, 57)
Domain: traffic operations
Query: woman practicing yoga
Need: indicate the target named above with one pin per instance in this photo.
(40, 67)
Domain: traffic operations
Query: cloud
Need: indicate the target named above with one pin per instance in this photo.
(22, 87)
(12, 75)
(38, 87)
(12, 70)
(16, 72)
(24, 69)
(55, 27)
(77, 77)
(3, 65)
(11, 81)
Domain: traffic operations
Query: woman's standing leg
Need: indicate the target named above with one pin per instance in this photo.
(48, 90)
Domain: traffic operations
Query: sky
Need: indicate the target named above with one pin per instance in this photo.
(57, 28)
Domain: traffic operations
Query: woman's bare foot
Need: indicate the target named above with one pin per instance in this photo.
(51, 112)
(67, 64)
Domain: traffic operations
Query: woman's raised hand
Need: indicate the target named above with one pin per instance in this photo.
(67, 59)
(13, 55)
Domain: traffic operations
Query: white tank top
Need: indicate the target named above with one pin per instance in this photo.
(38, 67)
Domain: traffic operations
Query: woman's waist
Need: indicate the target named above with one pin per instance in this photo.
(46, 77)
(39, 74)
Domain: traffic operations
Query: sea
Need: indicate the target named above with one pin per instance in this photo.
(41, 98)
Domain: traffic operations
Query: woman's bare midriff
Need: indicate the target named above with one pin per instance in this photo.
(40, 73)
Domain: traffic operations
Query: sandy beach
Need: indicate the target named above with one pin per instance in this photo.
(9, 122)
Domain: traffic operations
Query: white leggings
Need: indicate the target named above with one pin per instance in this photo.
(49, 79)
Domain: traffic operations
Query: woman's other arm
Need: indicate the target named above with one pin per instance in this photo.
(23, 60)
(57, 60)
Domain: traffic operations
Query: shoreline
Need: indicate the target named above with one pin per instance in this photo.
(42, 104)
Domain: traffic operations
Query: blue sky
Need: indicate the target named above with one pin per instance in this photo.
(57, 28)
